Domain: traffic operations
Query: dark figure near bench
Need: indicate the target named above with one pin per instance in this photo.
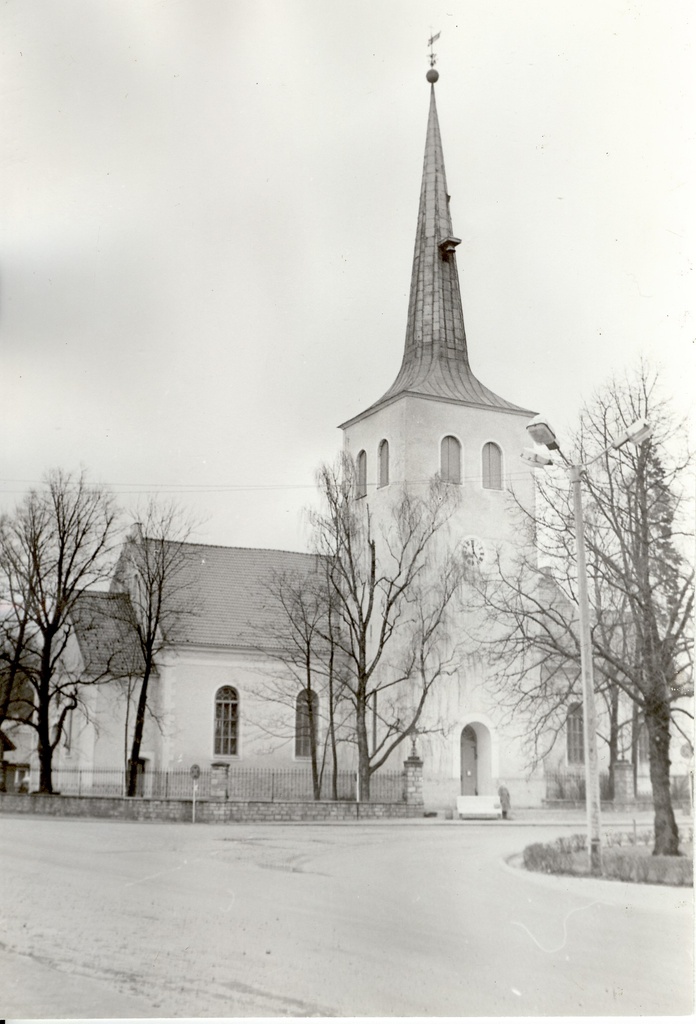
(504, 796)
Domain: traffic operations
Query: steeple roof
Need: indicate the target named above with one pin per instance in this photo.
(436, 360)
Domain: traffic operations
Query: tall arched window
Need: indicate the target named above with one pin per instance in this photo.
(492, 467)
(574, 735)
(383, 453)
(226, 721)
(451, 460)
(306, 713)
(361, 475)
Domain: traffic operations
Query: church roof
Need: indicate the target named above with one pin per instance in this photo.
(232, 594)
(436, 360)
(229, 594)
(108, 645)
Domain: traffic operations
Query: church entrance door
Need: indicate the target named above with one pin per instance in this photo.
(469, 759)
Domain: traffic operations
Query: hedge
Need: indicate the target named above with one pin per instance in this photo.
(621, 859)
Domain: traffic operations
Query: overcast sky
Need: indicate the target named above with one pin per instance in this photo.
(209, 208)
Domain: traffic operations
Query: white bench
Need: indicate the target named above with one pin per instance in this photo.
(479, 807)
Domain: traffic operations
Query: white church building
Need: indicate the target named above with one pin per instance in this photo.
(436, 418)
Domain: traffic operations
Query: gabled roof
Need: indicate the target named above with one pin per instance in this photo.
(228, 598)
(231, 594)
(436, 361)
(225, 593)
(106, 639)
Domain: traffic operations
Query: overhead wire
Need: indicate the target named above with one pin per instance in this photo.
(185, 488)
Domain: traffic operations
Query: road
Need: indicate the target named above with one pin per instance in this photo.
(117, 919)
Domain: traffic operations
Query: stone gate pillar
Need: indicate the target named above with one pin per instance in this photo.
(219, 775)
(413, 780)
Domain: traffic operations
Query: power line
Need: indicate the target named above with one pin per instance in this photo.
(182, 488)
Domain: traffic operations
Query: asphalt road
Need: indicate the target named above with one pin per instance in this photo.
(112, 919)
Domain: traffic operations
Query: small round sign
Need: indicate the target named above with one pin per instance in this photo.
(195, 771)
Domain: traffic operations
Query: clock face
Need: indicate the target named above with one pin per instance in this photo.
(474, 550)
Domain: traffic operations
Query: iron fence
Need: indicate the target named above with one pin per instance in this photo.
(285, 784)
(242, 783)
(159, 785)
(571, 786)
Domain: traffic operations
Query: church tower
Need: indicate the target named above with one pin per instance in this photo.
(437, 417)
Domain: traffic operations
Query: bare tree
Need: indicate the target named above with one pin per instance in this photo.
(393, 588)
(155, 570)
(310, 693)
(56, 545)
(641, 589)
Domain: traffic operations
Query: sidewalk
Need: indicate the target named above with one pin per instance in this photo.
(576, 816)
(643, 817)
(526, 817)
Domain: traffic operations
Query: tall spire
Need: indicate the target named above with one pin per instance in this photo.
(436, 361)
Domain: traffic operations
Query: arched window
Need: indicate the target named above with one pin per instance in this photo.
(361, 475)
(574, 735)
(451, 460)
(492, 467)
(383, 454)
(226, 721)
(306, 712)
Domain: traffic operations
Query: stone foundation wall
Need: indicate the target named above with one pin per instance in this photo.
(141, 809)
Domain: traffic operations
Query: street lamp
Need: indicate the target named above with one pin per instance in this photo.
(542, 433)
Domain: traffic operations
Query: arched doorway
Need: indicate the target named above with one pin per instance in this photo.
(475, 758)
(469, 762)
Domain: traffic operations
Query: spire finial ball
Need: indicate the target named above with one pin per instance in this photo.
(432, 76)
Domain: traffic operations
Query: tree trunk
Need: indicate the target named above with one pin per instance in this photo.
(666, 832)
(129, 694)
(332, 729)
(45, 769)
(363, 750)
(332, 704)
(316, 780)
(44, 747)
(45, 752)
(137, 736)
(613, 736)
(635, 732)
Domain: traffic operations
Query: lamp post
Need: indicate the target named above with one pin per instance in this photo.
(542, 434)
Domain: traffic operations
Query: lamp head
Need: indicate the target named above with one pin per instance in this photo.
(637, 433)
(533, 458)
(541, 432)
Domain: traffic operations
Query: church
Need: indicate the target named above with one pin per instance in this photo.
(436, 419)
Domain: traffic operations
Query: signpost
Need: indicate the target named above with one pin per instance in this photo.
(195, 775)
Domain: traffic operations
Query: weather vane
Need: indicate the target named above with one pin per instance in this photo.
(432, 74)
(433, 56)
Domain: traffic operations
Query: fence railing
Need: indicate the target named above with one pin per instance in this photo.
(571, 786)
(243, 783)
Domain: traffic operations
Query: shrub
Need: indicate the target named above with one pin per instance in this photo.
(555, 858)
(571, 844)
(622, 859)
(544, 857)
(654, 870)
